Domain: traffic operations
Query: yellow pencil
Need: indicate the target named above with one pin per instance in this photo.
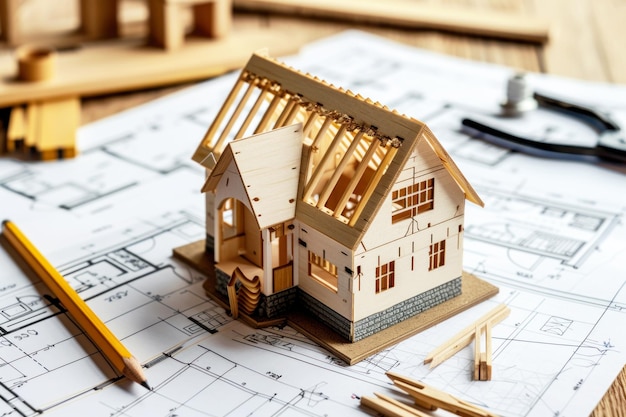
(98, 332)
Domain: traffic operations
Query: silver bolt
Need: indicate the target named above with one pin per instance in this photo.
(519, 96)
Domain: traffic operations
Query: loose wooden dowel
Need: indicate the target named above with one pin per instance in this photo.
(384, 407)
(411, 410)
(465, 336)
(437, 398)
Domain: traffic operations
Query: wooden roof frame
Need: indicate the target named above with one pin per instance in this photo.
(291, 94)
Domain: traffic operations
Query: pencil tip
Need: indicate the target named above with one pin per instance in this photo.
(145, 384)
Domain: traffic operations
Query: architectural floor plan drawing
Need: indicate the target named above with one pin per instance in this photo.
(550, 237)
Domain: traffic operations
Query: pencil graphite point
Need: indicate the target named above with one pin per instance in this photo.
(134, 372)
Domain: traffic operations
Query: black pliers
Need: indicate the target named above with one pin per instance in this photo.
(611, 144)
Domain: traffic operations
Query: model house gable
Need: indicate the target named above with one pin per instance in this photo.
(268, 167)
(424, 194)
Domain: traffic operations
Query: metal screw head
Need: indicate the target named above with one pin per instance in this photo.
(519, 97)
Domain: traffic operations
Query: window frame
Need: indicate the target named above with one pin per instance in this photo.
(323, 271)
(437, 255)
(385, 277)
(414, 199)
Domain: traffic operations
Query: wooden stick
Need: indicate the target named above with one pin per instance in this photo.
(387, 408)
(482, 358)
(465, 336)
(413, 15)
(412, 411)
(17, 127)
(269, 112)
(58, 122)
(208, 137)
(328, 156)
(334, 179)
(111, 347)
(264, 86)
(220, 144)
(397, 377)
(436, 398)
(488, 350)
(373, 183)
(356, 177)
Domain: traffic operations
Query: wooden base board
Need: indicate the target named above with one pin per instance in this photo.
(129, 64)
(474, 291)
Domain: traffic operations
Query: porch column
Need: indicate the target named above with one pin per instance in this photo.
(267, 286)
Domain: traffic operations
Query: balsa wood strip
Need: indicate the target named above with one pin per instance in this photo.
(128, 64)
(465, 336)
(437, 398)
(59, 121)
(413, 15)
(347, 157)
(17, 128)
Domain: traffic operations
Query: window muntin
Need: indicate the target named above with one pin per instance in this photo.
(412, 200)
(437, 255)
(385, 276)
(323, 271)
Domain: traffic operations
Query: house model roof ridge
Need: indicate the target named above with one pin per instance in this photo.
(354, 147)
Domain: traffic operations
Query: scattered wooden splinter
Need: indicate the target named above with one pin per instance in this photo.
(465, 336)
(424, 396)
(45, 129)
(482, 359)
(390, 407)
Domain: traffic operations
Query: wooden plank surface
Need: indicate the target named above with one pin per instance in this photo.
(412, 15)
(131, 65)
(586, 42)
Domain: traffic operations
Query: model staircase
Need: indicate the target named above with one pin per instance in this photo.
(246, 297)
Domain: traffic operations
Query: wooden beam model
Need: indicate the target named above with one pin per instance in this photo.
(424, 396)
(303, 178)
(67, 66)
(44, 130)
(413, 15)
(473, 332)
(482, 358)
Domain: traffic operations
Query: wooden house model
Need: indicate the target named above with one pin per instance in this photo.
(319, 197)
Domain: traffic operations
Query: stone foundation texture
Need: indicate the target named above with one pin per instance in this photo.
(406, 309)
(280, 303)
(323, 313)
(384, 319)
(271, 306)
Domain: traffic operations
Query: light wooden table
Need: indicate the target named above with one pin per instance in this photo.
(587, 42)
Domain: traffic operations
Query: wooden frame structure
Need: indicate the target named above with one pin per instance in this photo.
(66, 66)
(317, 190)
(99, 20)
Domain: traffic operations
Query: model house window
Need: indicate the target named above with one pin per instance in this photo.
(230, 218)
(437, 255)
(323, 271)
(385, 276)
(409, 201)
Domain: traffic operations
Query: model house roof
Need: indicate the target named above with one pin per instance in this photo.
(353, 149)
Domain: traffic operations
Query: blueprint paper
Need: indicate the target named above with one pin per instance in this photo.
(551, 236)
